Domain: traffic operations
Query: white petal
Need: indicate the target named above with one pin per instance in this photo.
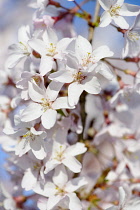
(49, 189)
(104, 70)
(121, 22)
(72, 163)
(122, 196)
(53, 201)
(37, 148)
(76, 149)
(129, 10)
(53, 89)
(31, 112)
(14, 59)
(61, 102)
(105, 19)
(28, 175)
(22, 147)
(63, 76)
(49, 36)
(35, 92)
(74, 92)
(46, 64)
(49, 118)
(74, 202)
(23, 34)
(60, 176)
(38, 45)
(75, 184)
(82, 47)
(63, 43)
(102, 52)
(92, 86)
(50, 165)
(105, 4)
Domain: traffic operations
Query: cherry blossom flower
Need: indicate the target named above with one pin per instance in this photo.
(65, 154)
(114, 10)
(45, 104)
(49, 49)
(60, 192)
(132, 40)
(20, 50)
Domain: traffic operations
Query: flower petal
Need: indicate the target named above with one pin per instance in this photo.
(46, 64)
(31, 112)
(63, 76)
(74, 92)
(76, 149)
(72, 163)
(92, 86)
(121, 22)
(49, 118)
(105, 19)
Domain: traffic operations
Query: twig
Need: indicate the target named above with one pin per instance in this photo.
(95, 18)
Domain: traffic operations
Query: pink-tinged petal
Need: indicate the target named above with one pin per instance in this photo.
(31, 112)
(82, 47)
(63, 43)
(105, 19)
(121, 22)
(72, 163)
(50, 165)
(53, 89)
(49, 36)
(37, 45)
(74, 92)
(129, 10)
(46, 64)
(105, 4)
(63, 76)
(53, 201)
(61, 103)
(74, 202)
(92, 86)
(48, 118)
(14, 59)
(102, 52)
(76, 149)
(60, 176)
(35, 92)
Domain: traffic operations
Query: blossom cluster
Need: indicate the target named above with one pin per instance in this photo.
(69, 112)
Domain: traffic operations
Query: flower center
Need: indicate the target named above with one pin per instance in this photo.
(46, 104)
(133, 36)
(60, 191)
(59, 154)
(24, 48)
(87, 59)
(37, 79)
(51, 50)
(114, 10)
(29, 136)
(79, 77)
